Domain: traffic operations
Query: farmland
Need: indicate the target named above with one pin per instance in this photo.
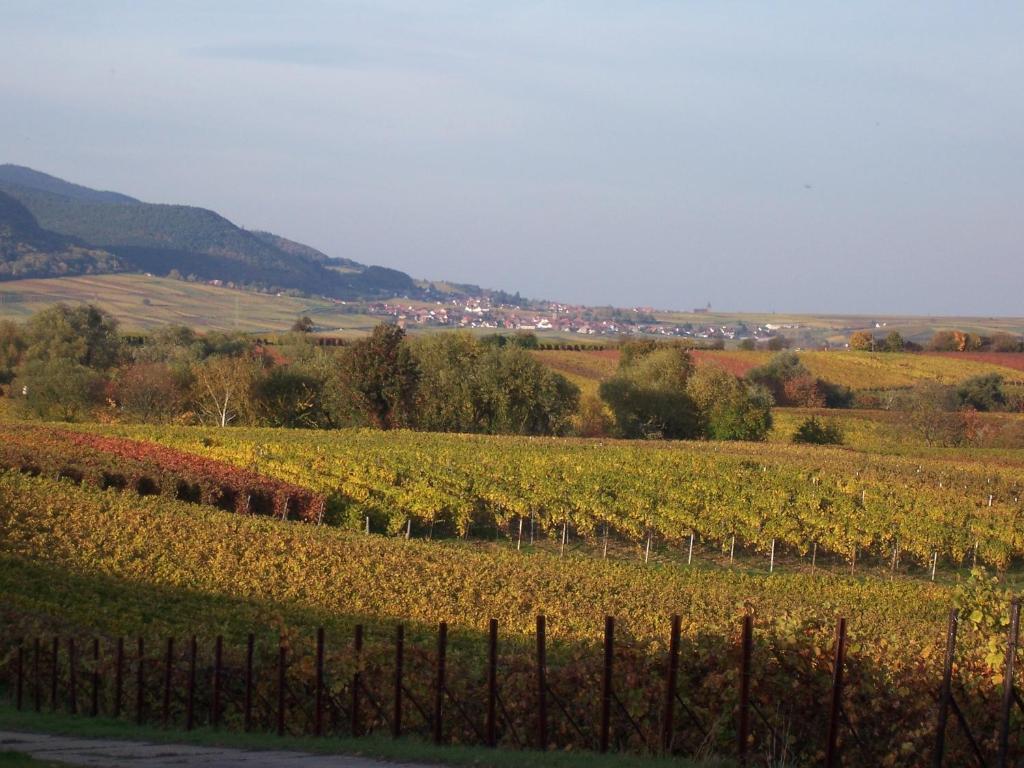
(142, 303)
(856, 370)
(156, 566)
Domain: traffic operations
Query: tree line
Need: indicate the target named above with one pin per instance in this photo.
(71, 363)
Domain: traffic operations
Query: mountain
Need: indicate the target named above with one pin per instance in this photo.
(27, 250)
(162, 239)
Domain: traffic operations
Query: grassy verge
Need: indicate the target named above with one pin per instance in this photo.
(404, 750)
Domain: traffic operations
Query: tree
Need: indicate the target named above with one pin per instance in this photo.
(778, 343)
(84, 335)
(930, 411)
(1005, 342)
(290, 397)
(592, 418)
(59, 390)
(303, 325)
(804, 392)
(467, 385)
(813, 431)
(862, 341)
(648, 395)
(382, 374)
(12, 348)
(151, 392)
(222, 389)
(894, 342)
(983, 393)
(748, 345)
(730, 408)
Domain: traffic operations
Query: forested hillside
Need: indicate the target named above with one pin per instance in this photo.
(171, 239)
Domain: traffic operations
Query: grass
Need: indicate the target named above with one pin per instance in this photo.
(404, 750)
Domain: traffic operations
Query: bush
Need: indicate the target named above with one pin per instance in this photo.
(814, 431)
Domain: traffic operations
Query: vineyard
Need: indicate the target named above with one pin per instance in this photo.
(147, 469)
(933, 512)
(81, 562)
(856, 370)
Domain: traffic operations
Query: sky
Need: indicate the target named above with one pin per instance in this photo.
(813, 156)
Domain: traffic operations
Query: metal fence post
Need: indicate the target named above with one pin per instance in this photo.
(20, 686)
(37, 687)
(218, 672)
(140, 684)
(832, 746)
(439, 686)
(746, 650)
(606, 682)
(542, 686)
(1008, 689)
(492, 683)
(357, 678)
(53, 673)
(396, 721)
(168, 672)
(118, 676)
(94, 708)
(318, 717)
(945, 692)
(282, 661)
(249, 649)
(72, 677)
(190, 706)
(671, 682)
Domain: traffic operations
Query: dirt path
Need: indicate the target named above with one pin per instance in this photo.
(107, 753)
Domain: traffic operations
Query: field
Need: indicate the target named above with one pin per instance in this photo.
(761, 498)
(857, 370)
(83, 561)
(142, 303)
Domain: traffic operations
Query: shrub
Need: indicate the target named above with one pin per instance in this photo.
(814, 431)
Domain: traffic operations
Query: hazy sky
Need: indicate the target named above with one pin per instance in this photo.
(813, 156)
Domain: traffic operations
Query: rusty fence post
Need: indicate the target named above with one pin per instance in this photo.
(836, 703)
(396, 720)
(72, 677)
(542, 685)
(357, 679)
(218, 673)
(671, 683)
(94, 705)
(606, 682)
(190, 705)
(140, 684)
(1008, 689)
(318, 703)
(439, 685)
(946, 691)
(249, 650)
(492, 683)
(165, 717)
(118, 676)
(746, 651)
(282, 661)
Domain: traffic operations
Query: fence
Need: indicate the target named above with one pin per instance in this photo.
(356, 692)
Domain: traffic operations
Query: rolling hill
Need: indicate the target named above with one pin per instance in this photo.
(168, 239)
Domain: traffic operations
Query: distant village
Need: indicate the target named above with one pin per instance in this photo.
(565, 318)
